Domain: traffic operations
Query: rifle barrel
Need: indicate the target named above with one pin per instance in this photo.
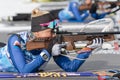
(87, 33)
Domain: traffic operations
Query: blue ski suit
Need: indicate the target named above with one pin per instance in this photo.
(72, 13)
(17, 59)
(95, 14)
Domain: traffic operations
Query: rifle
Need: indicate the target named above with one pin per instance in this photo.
(84, 38)
(69, 38)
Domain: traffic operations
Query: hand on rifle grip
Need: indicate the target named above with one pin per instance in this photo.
(56, 50)
(97, 42)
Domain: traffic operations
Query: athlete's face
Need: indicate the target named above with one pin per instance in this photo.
(45, 34)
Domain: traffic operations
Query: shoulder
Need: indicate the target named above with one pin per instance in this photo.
(19, 35)
(24, 35)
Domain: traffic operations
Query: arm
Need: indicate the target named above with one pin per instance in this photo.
(84, 7)
(99, 16)
(18, 58)
(73, 65)
(69, 65)
(94, 12)
(74, 8)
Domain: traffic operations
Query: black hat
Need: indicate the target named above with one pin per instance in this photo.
(37, 22)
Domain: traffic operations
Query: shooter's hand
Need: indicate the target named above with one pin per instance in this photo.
(56, 50)
(97, 42)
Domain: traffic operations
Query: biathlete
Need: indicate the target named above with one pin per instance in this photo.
(14, 57)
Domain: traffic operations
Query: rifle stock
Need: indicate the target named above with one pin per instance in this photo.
(31, 45)
(71, 37)
(74, 38)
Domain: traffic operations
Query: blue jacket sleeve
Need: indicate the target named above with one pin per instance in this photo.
(18, 58)
(79, 15)
(99, 16)
(71, 65)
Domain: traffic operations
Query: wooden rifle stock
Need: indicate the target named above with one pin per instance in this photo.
(74, 38)
(70, 38)
(31, 45)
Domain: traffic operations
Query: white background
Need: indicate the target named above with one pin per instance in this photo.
(11, 7)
